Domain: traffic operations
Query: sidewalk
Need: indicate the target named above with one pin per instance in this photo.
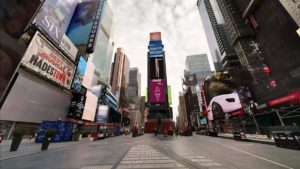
(28, 147)
(250, 137)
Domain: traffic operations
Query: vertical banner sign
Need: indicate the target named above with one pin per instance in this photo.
(293, 8)
(79, 74)
(94, 31)
(158, 91)
(46, 60)
(88, 75)
(54, 17)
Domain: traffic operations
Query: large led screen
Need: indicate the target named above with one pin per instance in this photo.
(82, 22)
(157, 91)
(157, 68)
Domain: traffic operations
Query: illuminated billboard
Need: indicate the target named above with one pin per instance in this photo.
(157, 68)
(54, 17)
(102, 114)
(158, 91)
(82, 22)
(79, 74)
(90, 106)
(169, 95)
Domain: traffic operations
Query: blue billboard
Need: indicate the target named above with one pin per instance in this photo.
(156, 48)
(155, 43)
(82, 22)
(54, 17)
(102, 114)
(79, 74)
(156, 52)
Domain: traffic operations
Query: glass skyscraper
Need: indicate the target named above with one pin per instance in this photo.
(223, 54)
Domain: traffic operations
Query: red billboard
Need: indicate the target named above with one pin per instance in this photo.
(158, 91)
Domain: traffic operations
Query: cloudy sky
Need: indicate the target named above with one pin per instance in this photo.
(182, 35)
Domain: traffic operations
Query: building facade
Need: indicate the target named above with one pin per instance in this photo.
(120, 77)
(222, 52)
(134, 86)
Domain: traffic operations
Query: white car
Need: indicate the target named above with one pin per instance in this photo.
(222, 104)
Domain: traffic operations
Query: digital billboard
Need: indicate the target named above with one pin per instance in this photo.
(89, 74)
(54, 17)
(82, 22)
(158, 91)
(157, 68)
(46, 60)
(79, 74)
(102, 114)
(77, 106)
(155, 43)
(156, 48)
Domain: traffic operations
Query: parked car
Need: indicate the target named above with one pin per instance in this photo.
(222, 104)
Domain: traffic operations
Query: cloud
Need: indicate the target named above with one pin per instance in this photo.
(182, 35)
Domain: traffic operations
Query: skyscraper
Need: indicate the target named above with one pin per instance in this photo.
(223, 54)
(198, 65)
(134, 86)
(120, 77)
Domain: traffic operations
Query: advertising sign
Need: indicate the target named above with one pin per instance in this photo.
(293, 8)
(155, 36)
(77, 106)
(156, 48)
(102, 114)
(155, 43)
(79, 74)
(70, 49)
(94, 32)
(88, 75)
(158, 91)
(156, 52)
(46, 60)
(90, 106)
(55, 16)
(82, 22)
(169, 95)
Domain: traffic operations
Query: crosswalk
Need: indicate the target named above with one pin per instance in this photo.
(144, 156)
(202, 161)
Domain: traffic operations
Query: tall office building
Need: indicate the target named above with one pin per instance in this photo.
(103, 53)
(223, 54)
(198, 65)
(264, 36)
(134, 86)
(120, 77)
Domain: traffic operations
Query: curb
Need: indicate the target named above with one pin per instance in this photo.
(249, 140)
(40, 151)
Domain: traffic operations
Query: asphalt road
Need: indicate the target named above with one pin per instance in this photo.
(149, 151)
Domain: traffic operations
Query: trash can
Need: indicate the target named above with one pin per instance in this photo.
(1, 137)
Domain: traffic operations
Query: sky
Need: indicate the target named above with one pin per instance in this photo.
(182, 35)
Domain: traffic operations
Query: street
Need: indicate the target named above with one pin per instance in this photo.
(149, 151)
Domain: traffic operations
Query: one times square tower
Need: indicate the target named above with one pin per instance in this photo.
(157, 82)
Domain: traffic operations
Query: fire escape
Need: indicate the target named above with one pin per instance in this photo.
(241, 37)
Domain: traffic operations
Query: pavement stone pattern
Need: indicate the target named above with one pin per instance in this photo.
(144, 156)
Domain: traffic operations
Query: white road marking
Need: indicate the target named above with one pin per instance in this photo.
(98, 167)
(282, 165)
(144, 156)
